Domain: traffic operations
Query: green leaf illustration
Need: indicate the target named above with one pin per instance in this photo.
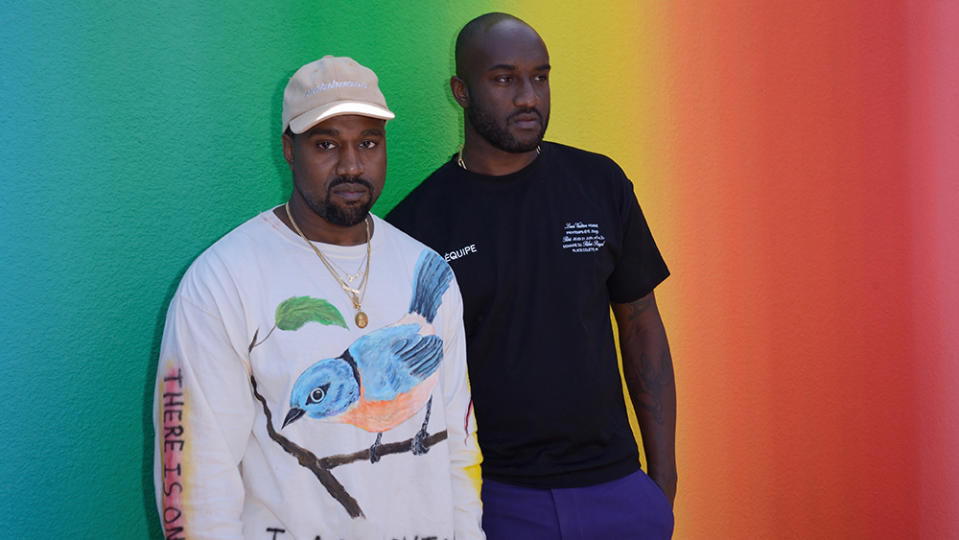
(294, 312)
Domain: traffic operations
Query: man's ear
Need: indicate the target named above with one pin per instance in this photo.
(460, 91)
(288, 150)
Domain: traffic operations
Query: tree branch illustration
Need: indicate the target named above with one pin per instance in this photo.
(385, 449)
(254, 342)
(321, 466)
(309, 460)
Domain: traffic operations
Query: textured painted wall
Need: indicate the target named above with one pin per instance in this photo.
(796, 162)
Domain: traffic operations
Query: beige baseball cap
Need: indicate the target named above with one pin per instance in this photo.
(328, 87)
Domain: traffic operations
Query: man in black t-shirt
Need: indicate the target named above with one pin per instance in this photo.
(543, 239)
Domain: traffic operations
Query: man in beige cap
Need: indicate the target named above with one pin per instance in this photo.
(303, 351)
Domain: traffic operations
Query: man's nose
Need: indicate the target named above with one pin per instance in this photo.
(349, 163)
(526, 95)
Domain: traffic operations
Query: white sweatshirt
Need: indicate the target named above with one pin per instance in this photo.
(291, 460)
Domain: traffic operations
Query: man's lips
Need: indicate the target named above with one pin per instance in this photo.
(350, 191)
(529, 120)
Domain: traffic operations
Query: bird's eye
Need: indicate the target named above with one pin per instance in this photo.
(317, 394)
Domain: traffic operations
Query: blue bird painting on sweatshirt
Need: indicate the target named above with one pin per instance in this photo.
(386, 376)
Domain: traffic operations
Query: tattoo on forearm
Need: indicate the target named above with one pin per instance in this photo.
(651, 380)
(639, 306)
(652, 374)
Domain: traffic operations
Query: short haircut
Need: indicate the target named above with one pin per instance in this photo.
(473, 28)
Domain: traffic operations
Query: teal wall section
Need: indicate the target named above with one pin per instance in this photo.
(133, 136)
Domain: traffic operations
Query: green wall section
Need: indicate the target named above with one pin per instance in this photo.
(133, 136)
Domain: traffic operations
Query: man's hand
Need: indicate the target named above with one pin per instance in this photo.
(667, 483)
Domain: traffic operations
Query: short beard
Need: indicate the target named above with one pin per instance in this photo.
(500, 137)
(342, 216)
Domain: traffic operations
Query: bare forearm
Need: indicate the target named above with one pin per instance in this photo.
(652, 391)
(648, 370)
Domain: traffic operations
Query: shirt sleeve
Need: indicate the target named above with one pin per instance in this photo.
(465, 457)
(203, 415)
(640, 266)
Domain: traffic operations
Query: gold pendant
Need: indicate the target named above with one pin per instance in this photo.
(361, 319)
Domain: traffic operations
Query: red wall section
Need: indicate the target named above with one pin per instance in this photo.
(933, 145)
(799, 207)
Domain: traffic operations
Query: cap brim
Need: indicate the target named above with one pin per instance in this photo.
(313, 117)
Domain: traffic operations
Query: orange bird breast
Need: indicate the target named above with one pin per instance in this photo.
(379, 416)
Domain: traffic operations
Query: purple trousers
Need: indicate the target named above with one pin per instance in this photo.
(628, 508)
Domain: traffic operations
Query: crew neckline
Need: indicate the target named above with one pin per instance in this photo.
(505, 179)
(335, 250)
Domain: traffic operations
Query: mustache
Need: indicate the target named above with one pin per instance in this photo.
(350, 180)
(531, 110)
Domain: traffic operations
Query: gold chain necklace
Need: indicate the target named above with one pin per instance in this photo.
(356, 295)
(350, 278)
(461, 163)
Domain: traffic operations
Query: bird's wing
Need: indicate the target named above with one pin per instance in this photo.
(394, 360)
(419, 355)
(433, 277)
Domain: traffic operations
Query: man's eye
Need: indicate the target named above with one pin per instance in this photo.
(369, 145)
(542, 77)
(504, 79)
(325, 145)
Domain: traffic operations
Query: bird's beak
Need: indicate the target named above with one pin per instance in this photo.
(294, 413)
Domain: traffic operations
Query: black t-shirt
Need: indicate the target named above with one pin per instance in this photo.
(539, 255)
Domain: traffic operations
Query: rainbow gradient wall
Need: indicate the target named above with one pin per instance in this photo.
(797, 161)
